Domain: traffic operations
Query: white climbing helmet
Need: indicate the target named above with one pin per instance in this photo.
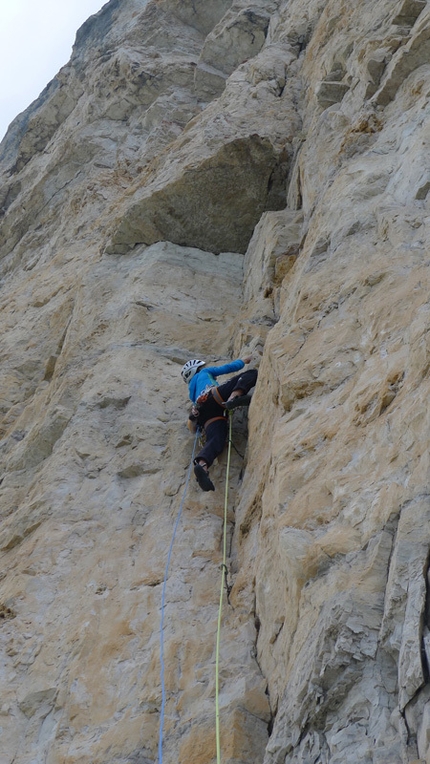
(189, 369)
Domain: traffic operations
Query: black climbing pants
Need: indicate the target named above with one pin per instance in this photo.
(216, 430)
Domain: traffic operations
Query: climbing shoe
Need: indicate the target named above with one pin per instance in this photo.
(203, 478)
(240, 400)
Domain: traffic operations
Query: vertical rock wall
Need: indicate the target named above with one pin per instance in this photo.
(214, 179)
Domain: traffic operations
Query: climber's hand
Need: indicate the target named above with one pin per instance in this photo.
(192, 425)
(194, 415)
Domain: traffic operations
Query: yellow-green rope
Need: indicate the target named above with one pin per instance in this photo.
(221, 595)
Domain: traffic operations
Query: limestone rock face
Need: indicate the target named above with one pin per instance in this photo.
(216, 180)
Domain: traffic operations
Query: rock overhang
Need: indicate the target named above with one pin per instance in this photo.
(213, 204)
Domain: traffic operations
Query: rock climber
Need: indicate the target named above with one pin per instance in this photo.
(210, 405)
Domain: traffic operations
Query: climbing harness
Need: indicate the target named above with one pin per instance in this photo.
(211, 390)
(214, 419)
(163, 600)
(221, 595)
(202, 398)
(217, 395)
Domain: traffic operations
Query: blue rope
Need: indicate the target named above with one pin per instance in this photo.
(163, 598)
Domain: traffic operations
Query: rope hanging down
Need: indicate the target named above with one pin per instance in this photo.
(223, 574)
(163, 599)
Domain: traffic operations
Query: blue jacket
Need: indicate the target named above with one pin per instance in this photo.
(207, 375)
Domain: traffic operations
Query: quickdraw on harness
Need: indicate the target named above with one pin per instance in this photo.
(205, 395)
(203, 398)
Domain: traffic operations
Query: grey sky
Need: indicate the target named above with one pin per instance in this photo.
(36, 38)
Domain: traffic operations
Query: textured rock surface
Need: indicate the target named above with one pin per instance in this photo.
(216, 179)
